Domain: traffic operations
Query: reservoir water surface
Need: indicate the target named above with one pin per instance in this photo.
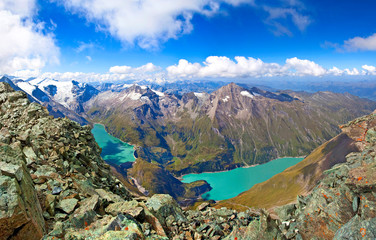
(114, 151)
(229, 184)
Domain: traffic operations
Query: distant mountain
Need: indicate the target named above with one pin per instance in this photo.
(70, 94)
(46, 95)
(363, 89)
(231, 127)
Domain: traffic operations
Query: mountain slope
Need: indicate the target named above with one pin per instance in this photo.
(297, 180)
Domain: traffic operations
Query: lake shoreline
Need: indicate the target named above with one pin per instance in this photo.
(118, 139)
(230, 183)
(180, 178)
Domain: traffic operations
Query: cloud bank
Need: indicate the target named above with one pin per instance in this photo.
(214, 67)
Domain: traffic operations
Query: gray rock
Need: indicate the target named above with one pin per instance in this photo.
(355, 204)
(203, 206)
(67, 205)
(30, 154)
(56, 190)
(163, 205)
(285, 212)
(357, 229)
(11, 170)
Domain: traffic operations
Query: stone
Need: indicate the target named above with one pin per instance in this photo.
(163, 205)
(130, 207)
(285, 212)
(56, 190)
(203, 206)
(11, 170)
(50, 204)
(371, 135)
(30, 154)
(60, 216)
(224, 212)
(67, 205)
(127, 224)
(20, 209)
(355, 204)
(58, 230)
(357, 229)
(110, 197)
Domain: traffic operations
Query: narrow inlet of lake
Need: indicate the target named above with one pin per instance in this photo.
(229, 184)
(114, 151)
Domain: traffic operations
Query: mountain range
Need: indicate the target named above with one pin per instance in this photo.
(177, 132)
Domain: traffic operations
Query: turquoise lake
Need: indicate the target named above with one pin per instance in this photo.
(113, 149)
(230, 183)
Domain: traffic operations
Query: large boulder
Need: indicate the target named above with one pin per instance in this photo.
(357, 229)
(20, 212)
(163, 206)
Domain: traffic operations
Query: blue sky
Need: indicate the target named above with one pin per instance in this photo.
(86, 39)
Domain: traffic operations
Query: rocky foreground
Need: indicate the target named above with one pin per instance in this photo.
(55, 185)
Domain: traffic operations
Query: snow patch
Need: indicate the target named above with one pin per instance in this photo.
(144, 98)
(246, 94)
(132, 95)
(161, 94)
(226, 99)
(127, 85)
(199, 95)
(27, 87)
(64, 94)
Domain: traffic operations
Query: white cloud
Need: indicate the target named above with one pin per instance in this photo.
(352, 72)
(225, 67)
(23, 45)
(22, 8)
(335, 71)
(362, 44)
(241, 67)
(371, 70)
(89, 58)
(184, 69)
(304, 67)
(149, 67)
(146, 22)
(120, 69)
